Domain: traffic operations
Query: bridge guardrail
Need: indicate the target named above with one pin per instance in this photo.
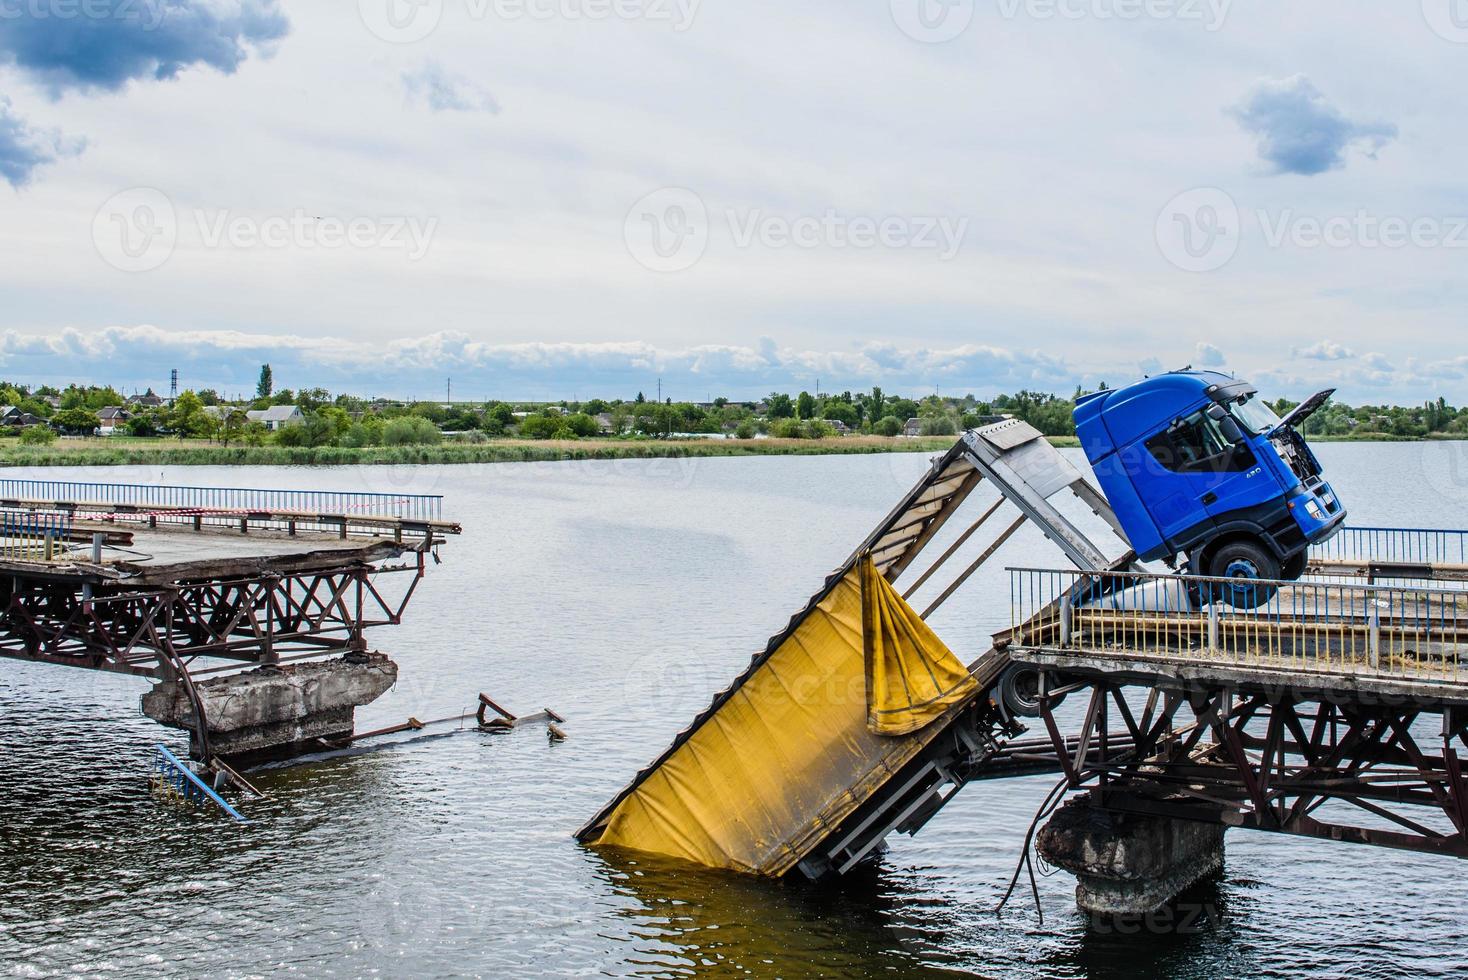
(1404, 545)
(407, 506)
(34, 535)
(1330, 627)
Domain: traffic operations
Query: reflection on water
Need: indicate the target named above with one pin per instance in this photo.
(624, 595)
(686, 920)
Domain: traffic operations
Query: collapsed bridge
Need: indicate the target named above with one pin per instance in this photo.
(247, 607)
(1339, 694)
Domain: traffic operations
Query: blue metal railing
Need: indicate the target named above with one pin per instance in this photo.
(1337, 627)
(27, 535)
(408, 506)
(177, 779)
(1408, 545)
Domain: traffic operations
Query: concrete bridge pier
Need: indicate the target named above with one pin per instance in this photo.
(275, 711)
(1128, 864)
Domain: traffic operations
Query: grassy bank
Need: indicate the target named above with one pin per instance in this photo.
(172, 452)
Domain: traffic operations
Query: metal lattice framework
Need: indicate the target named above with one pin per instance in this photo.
(1269, 759)
(253, 619)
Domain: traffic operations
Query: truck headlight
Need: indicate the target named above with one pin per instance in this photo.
(1313, 509)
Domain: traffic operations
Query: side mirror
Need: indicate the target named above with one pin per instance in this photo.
(1230, 430)
(1217, 412)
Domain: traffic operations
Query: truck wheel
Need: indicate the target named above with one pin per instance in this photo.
(1244, 562)
(1294, 565)
(1019, 690)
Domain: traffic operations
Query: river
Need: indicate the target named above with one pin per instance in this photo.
(623, 595)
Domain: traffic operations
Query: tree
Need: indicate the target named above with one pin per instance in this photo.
(840, 411)
(805, 405)
(76, 421)
(233, 426)
(888, 426)
(781, 407)
(903, 408)
(266, 385)
(187, 417)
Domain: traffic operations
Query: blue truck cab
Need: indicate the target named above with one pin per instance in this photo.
(1195, 463)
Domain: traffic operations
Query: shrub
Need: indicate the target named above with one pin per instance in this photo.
(785, 428)
(581, 424)
(744, 430)
(889, 426)
(38, 435)
(937, 425)
(410, 431)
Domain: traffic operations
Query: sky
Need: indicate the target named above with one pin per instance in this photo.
(547, 199)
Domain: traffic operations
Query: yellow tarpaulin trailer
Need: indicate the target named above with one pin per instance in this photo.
(840, 710)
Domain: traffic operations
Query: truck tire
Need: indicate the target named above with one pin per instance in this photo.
(1019, 691)
(1245, 562)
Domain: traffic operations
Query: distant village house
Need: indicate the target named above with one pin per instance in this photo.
(277, 416)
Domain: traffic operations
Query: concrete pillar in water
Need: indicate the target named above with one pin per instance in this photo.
(1127, 864)
(275, 712)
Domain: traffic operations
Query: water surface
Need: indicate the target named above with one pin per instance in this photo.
(624, 595)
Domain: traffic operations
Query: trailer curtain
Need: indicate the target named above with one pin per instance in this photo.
(808, 734)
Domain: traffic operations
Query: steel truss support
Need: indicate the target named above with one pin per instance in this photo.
(249, 620)
(1270, 761)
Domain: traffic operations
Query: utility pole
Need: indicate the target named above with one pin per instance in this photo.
(660, 391)
(448, 390)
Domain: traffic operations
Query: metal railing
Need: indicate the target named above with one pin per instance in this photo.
(406, 506)
(1307, 625)
(33, 535)
(1405, 545)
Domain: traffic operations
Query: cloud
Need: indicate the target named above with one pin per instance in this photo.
(23, 148)
(104, 44)
(444, 91)
(1324, 350)
(1209, 356)
(1299, 132)
(139, 356)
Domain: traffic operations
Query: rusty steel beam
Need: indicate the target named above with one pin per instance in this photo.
(247, 620)
(1248, 761)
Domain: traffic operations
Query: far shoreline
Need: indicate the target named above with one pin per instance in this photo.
(166, 452)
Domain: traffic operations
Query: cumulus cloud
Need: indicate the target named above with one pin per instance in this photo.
(24, 148)
(136, 356)
(445, 91)
(105, 44)
(1209, 356)
(1299, 132)
(1324, 350)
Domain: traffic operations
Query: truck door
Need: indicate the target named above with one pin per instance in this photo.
(1214, 471)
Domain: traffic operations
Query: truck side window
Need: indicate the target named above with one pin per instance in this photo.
(1198, 446)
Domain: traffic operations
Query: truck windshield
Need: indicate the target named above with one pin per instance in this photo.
(1254, 414)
